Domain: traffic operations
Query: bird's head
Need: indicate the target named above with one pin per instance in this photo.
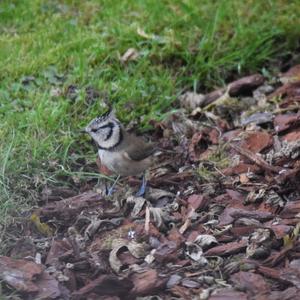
(105, 130)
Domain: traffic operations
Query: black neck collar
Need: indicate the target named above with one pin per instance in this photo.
(115, 145)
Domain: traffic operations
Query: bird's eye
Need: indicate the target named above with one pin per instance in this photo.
(94, 130)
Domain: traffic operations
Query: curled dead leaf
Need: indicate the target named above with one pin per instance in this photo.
(205, 241)
(159, 215)
(154, 195)
(260, 243)
(130, 55)
(195, 252)
(138, 202)
(191, 100)
(136, 249)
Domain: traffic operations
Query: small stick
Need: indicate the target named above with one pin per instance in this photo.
(147, 220)
(256, 159)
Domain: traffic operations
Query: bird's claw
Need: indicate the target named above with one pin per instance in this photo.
(110, 191)
(142, 190)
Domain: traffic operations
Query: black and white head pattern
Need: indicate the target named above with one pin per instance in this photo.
(106, 131)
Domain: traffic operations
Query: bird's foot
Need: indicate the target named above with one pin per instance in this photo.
(142, 190)
(110, 191)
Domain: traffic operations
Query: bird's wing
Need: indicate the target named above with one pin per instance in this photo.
(137, 149)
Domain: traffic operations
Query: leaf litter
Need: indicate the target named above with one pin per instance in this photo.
(220, 218)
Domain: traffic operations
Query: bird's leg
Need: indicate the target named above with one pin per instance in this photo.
(142, 190)
(106, 187)
(110, 191)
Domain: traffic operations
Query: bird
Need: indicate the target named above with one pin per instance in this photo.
(119, 151)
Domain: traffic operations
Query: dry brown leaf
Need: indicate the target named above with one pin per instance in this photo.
(130, 55)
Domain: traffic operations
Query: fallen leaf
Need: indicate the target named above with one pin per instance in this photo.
(155, 195)
(138, 202)
(260, 243)
(143, 34)
(136, 249)
(190, 100)
(159, 216)
(195, 252)
(130, 55)
(205, 241)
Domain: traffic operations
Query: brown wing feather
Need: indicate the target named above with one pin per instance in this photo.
(137, 149)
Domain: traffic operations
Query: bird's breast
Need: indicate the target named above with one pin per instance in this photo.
(119, 163)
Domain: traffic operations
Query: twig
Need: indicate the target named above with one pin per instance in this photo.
(256, 159)
(147, 220)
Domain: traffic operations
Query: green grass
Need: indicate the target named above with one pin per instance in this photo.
(189, 45)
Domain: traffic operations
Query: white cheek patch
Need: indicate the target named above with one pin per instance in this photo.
(109, 138)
